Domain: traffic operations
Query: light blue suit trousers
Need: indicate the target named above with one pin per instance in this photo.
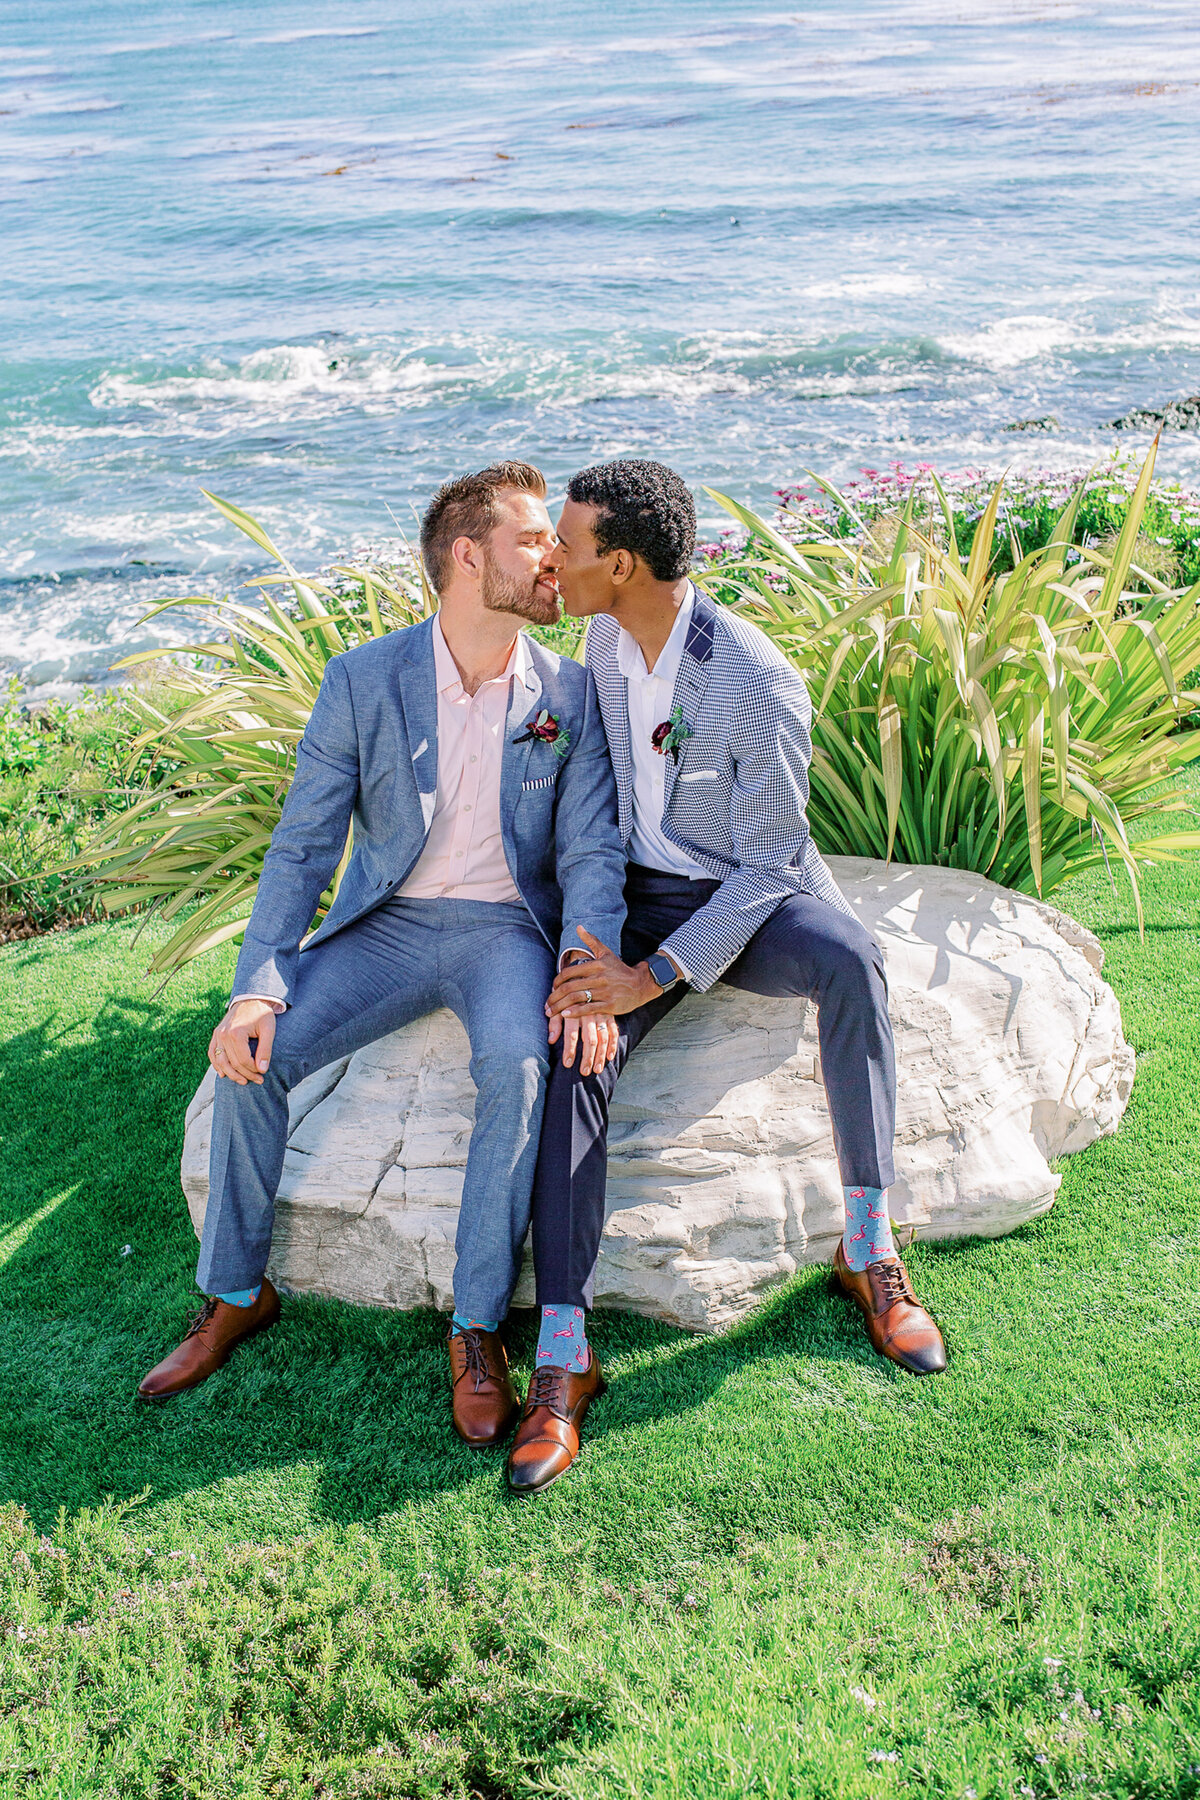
(491, 964)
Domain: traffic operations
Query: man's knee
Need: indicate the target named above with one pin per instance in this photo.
(511, 1069)
(841, 952)
(291, 1053)
(855, 958)
(285, 1069)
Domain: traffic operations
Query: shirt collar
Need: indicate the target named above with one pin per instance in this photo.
(449, 681)
(632, 663)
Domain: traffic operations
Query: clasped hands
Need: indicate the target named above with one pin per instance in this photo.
(587, 997)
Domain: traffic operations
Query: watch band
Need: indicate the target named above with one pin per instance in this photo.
(663, 970)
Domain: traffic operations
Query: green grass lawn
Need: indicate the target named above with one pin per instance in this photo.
(782, 1568)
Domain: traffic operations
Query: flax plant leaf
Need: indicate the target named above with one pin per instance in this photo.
(1007, 714)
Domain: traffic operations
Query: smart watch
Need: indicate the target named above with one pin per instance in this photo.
(663, 970)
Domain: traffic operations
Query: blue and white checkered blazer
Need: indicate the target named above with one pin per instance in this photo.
(736, 798)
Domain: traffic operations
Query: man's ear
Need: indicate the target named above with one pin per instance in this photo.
(623, 567)
(467, 557)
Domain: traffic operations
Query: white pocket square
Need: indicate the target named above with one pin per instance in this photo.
(701, 775)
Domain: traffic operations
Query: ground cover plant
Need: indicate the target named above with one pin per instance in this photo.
(1031, 505)
(782, 1570)
(63, 768)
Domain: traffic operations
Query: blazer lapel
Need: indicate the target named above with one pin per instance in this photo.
(613, 692)
(691, 683)
(418, 703)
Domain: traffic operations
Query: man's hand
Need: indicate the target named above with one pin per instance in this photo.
(601, 988)
(596, 1039)
(229, 1047)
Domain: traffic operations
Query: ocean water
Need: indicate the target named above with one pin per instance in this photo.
(316, 259)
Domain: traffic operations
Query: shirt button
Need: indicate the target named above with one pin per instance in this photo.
(458, 853)
(466, 809)
(474, 759)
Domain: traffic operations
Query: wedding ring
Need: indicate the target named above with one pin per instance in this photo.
(587, 994)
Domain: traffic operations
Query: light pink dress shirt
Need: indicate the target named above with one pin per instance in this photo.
(463, 858)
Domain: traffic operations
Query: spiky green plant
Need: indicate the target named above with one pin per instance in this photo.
(193, 848)
(1015, 724)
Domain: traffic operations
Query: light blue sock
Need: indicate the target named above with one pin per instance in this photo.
(243, 1297)
(867, 1235)
(562, 1340)
(464, 1322)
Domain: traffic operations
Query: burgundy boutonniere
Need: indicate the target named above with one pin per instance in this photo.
(671, 735)
(544, 728)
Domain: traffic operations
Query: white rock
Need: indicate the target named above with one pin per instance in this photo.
(722, 1178)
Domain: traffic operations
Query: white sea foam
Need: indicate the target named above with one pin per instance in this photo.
(856, 287)
(316, 31)
(1008, 343)
(1012, 341)
(295, 382)
(274, 382)
(154, 46)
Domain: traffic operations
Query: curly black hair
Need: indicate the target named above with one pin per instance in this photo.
(642, 507)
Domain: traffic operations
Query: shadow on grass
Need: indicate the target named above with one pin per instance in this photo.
(97, 1261)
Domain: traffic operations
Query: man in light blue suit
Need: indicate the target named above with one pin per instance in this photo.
(470, 762)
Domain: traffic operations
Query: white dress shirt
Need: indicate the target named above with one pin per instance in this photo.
(650, 696)
(651, 692)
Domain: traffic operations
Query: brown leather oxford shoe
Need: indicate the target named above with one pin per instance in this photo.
(213, 1336)
(897, 1324)
(482, 1397)
(548, 1440)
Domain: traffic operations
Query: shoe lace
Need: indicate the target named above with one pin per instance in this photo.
(476, 1355)
(543, 1388)
(203, 1314)
(892, 1282)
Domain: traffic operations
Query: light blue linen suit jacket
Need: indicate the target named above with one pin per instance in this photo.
(369, 753)
(736, 798)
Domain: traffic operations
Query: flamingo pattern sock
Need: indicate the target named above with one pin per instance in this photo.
(243, 1297)
(562, 1339)
(867, 1235)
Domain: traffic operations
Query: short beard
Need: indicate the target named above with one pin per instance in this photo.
(504, 594)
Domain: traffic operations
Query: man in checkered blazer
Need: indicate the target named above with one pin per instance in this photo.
(708, 728)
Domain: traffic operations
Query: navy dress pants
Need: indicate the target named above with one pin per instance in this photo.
(806, 948)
